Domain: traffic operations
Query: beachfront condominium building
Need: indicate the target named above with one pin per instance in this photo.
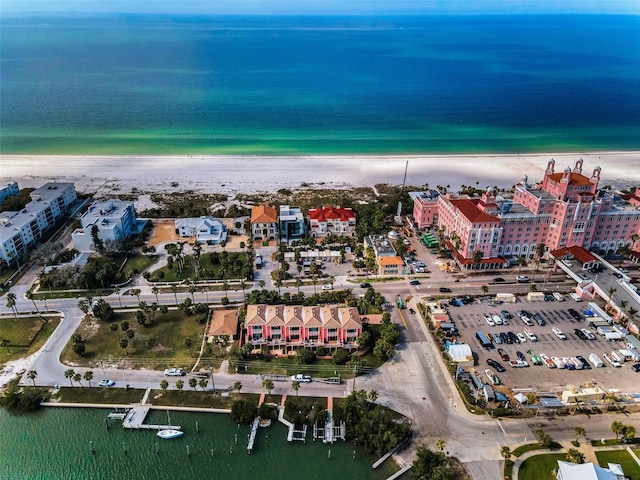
(332, 221)
(264, 222)
(292, 326)
(562, 210)
(205, 229)
(291, 223)
(114, 220)
(9, 190)
(20, 230)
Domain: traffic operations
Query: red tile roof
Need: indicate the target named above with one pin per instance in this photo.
(575, 179)
(264, 214)
(331, 213)
(470, 210)
(579, 253)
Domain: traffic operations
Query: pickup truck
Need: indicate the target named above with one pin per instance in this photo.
(301, 378)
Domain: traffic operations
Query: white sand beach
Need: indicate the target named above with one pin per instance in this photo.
(109, 175)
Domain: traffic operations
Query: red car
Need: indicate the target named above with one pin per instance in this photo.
(503, 355)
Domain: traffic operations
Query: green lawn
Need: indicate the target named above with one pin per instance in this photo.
(24, 331)
(539, 467)
(97, 394)
(189, 398)
(210, 268)
(629, 466)
(168, 332)
(531, 446)
(138, 264)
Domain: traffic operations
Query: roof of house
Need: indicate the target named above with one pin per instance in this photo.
(388, 261)
(580, 254)
(264, 214)
(324, 214)
(584, 471)
(223, 322)
(326, 316)
(469, 209)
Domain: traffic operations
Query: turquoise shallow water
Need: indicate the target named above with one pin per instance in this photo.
(54, 444)
(302, 85)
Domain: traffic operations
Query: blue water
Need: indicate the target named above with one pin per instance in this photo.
(280, 85)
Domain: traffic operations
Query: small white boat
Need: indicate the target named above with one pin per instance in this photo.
(170, 433)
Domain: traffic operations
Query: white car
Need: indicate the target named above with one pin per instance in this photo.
(489, 320)
(558, 333)
(518, 364)
(497, 319)
(588, 333)
(327, 287)
(521, 337)
(174, 372)
(105, 382)
(406, 242)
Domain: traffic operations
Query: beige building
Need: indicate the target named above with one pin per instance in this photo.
(223, 323)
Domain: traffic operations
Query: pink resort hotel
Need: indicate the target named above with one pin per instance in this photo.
(565, 209)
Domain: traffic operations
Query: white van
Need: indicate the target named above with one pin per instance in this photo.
(558, 296)
(575, 297)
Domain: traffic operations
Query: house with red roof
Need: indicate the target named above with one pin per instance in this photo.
(332, 221)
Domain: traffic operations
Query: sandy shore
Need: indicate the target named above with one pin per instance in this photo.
(109, 175)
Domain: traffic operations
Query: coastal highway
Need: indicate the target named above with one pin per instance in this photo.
(414, 382)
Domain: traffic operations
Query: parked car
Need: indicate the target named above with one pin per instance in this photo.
(575, 314)
(506, 314)
(588, 334)
(497, 319)
(497, 339)
(585, 364)
(521, 337)
(105, 382)
(522, 279)
(539, 320)
(503, 355)
(412, 311)
(518, 363)
(445, 290)
(174, 372)
(513, 337)
(327, 287)
(498, 366)
(365, 285)
(414, 282)
(558, 333)
(636, 367)
(580, 334)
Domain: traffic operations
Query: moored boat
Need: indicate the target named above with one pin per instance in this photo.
(170, 433)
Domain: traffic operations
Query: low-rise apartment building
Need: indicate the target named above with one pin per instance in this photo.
(332, 221)
(114, 219)
(9, 190)
(20, 230)
(291, 326)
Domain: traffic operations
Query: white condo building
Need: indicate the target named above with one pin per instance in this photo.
(20, 230)
(115, 220)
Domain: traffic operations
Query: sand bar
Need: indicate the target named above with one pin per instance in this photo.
(107, 175)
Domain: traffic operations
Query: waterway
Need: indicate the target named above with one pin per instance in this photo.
(55, 443)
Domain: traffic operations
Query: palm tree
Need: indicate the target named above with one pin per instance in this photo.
(295, 386)
(30, 296)
(440, 445)
(11, 303)
(188, 343)
(193, 383)
(314, 280)
(88, 376)
(298, 284)
(124, 343)
(164, 385)
(278, 284)
(332, 280)
(69, 373)
(155, 291)
(610, 397)
(77, 378)
(629, 432)
(506, 453)
(267, 384)
(617, 428)
(484, 289)
(179, 385)
(580, 432)
(575, 456)
(31, 375)
(237, 386)
(192, 291)
(174, 289)
(262, 284)
(225, 287)
(136, 292)
(202, 383)
(5, 342)
(117, 292)
(632, 312)
(611, 291)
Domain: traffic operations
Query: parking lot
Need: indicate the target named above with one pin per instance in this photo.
(470, 318)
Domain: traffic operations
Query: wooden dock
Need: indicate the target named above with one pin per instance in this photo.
(252, 436)
(135, 418)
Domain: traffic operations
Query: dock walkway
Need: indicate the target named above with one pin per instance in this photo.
(135, 420)
(252, 436)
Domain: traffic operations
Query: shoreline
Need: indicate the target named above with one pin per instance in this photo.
(110, 175)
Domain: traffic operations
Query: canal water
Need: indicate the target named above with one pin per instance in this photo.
(55, 443)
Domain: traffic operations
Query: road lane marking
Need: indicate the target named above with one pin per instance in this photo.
(403, 320)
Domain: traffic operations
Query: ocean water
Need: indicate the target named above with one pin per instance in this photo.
(301, 85)
(54, 444)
